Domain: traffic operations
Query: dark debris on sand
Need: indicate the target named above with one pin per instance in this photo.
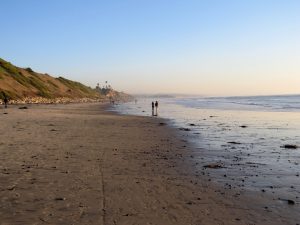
(214, 166)
(234, 142)
(289, 146)
(290, 202)
(184, 129)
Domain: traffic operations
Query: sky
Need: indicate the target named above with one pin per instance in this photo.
(205, 47)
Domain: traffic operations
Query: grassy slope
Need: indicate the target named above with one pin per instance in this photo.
(18, 83)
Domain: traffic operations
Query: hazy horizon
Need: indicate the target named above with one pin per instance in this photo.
(215, 48)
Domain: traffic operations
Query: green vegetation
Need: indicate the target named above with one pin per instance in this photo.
(104, 90)
(8, 67)
(2, 93)
(14, 72)
(29, 70)
(52, 83)
(76, 85)
(18, 83)
(2, 70)
(21, 79)
(40, 86)
(8, 94)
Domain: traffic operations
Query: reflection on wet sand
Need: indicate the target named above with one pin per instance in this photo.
(241, 149)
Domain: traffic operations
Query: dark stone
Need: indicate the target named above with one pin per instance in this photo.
(184, 129)
(290, 202)
(288, 146)
(60, 199)
(234, 142)
(213, 166)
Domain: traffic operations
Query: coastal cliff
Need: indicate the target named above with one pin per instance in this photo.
(23, 85)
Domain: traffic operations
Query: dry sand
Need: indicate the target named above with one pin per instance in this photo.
(78, 164)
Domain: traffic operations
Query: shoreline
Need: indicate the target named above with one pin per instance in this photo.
(82, 164)
(240, 149)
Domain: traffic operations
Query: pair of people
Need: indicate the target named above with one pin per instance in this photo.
(156, 107)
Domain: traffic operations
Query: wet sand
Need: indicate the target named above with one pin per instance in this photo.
(244, 145)
(79, 164)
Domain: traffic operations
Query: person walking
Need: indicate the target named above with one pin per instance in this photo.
(152, 108)
(5, 100)
(156, 107)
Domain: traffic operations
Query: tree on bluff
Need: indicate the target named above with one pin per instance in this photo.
(105, 89)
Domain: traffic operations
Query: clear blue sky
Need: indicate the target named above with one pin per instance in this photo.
(211, 47)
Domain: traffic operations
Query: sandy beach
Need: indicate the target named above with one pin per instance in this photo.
(80, 164)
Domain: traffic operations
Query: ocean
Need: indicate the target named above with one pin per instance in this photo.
(245, 135)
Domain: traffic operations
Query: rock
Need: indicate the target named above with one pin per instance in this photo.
(11, 188)
(290, 202)
(289, 146)
(192, 124)
(213, 166)
(234, 142)
(23, 107)
(184, 129)
(59, 100)
(162, 124)
(243, 126)
(60, 199)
